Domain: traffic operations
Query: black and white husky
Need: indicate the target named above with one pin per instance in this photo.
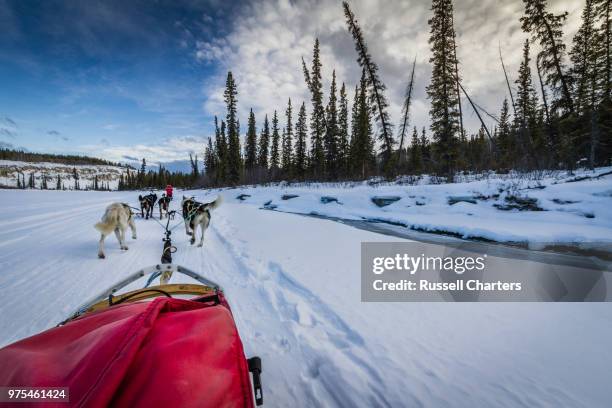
(164, 204)
(117, 217)
(195, 213)
(147, 203)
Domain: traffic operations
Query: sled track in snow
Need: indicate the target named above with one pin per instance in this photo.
(301, 308)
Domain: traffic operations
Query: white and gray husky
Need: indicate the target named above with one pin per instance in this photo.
(117, 217)
(195, 213)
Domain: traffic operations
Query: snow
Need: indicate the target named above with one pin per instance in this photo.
(294, 286)
(572, 212)
(9, 170)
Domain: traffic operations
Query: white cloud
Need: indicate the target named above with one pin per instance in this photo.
(171, 149)
(269, 38)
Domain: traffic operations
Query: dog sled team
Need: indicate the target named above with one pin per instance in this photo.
(147, 203)
(118, 217)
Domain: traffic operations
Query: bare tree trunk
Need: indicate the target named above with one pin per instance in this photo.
(462, 132)
(522, 132)
(543, 91)
(406, 113)
(355, 31)
(507, 81)
(479, 117)
(549, 128)
(594, 134)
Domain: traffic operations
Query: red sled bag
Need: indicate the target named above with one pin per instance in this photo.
(161, 353)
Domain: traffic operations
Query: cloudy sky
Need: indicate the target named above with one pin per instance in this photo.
(124, 79)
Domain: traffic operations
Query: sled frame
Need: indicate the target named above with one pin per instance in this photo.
(165, 270)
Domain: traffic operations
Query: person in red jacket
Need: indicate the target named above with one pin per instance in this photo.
(169, 191)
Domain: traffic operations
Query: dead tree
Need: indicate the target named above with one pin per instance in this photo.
(507, 81)
(406, 111)
(377, 87)
(479, 117)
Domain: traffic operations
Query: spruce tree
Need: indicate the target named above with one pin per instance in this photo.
(444, 111)
(526, 105)
(603, 9)
(264, 142)
(546, 28)
(425, 150)
(317, 118)
(75, 175)
(210, 162)
(222, 155)
(343, 136)
(354, 127)
(362, 145)
(234, 159)
(416, 157)
(287, 144)
(250, 153)
(194, 166)
(274, 150)
(301, 130)
(331, 133)
(505, 141)
(603, 12)
(585, 55)
(552, 134)
(463, 161)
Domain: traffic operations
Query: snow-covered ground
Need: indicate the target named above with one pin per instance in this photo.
(294, 286)
(10, 170)
(512, 208)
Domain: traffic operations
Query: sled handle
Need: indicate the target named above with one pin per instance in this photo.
(255, 368)
(135, 276)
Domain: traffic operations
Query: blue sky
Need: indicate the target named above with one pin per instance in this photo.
(80, 76)
(125, 79)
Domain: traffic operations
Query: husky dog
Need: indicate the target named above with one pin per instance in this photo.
(118, 217)
(195, 213)
(147, 203)
(164, 204)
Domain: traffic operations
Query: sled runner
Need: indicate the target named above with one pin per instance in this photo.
(165, 345)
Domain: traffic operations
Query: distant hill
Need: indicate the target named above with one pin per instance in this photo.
(23, 156)
(52, 171)
(23, 169)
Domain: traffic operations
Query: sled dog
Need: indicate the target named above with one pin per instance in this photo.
(147, 204)
(164, 204)
(195, 213)
(117, 218)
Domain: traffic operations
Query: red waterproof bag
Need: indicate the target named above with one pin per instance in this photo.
(162, 353)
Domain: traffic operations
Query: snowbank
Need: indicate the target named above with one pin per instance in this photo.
(553, 209)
